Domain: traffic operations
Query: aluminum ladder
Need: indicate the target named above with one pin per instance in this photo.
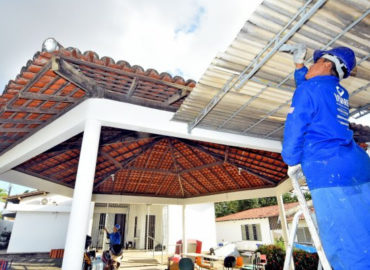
(323, 261)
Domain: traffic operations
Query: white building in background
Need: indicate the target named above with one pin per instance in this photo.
(257, 226)
(42, 219)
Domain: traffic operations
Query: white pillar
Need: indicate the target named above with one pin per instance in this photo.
(79, 217)
(184, 240)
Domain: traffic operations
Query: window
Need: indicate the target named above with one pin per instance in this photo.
(102, 221)
(251, 232)
(304, 236)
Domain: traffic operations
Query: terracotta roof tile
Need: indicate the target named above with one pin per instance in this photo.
(40, 94)
(261, 212)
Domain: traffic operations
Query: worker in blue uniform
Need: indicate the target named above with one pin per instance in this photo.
(115, 236)
(317, 140)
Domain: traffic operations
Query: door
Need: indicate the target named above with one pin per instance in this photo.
(151, 228)
(121, 220)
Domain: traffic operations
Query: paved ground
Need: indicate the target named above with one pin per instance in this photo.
(132, 260)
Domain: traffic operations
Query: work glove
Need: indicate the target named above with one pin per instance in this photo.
(298, 50)
(295, 171)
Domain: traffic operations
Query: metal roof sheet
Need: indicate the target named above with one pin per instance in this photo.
(260, 105)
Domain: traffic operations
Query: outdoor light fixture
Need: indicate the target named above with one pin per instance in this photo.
(50, 45)
(112, 175)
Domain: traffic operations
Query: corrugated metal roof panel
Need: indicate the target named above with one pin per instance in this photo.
(260, 106)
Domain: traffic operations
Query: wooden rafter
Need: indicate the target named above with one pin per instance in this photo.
(42, 177)
(179, 95)
(132, 87)
(176, 167)
(70, 73)
(21, 121)
(128, 161)
(114, 71)
(230, 177)
(28, 85)
(29, 95)
(209, 168)
(218, 157)
(198, 168)
(193, 165)
(162, 182)
(111, 159)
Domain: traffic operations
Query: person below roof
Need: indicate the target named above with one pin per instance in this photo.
(115, 236)
(317, 140)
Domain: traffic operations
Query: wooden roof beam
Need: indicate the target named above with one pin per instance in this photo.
(176, 166)
(70, 73)
(29, 95)
(198, 168)
(21, 121)
(217, 157)
(179, 95)
(128, 161)
(189, 173)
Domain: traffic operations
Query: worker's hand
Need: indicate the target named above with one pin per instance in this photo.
(295, 171)
(298, 50)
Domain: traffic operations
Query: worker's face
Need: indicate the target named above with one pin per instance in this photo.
(321, 67)
(114, 229)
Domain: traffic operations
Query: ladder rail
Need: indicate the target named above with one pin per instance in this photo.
(311, 227)
(292, 233)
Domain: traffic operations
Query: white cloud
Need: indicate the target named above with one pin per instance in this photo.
(180, 37)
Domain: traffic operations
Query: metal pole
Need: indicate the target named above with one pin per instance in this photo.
(80, 210)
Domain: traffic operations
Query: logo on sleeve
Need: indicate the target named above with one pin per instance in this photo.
(340, 91)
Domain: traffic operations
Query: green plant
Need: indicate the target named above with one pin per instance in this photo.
(280, 243)
(275, 255)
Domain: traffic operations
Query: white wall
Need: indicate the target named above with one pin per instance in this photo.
(40, 227)
(38, 232)
(200, 224)
(230, 231)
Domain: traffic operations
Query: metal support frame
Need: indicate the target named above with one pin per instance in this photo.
(311, 227)
(361, 111)
(256, 64)
(272, 112)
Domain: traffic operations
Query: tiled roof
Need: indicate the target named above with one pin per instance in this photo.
(160, 166)
(52, 83)
(262, 212)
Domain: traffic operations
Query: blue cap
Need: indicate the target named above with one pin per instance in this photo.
(117, 226)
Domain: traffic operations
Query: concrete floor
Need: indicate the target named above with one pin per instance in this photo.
(132, 260)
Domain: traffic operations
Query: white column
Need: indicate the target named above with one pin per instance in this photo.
(184, 240)
(79, 217)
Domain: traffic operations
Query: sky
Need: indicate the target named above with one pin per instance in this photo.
(175, 36)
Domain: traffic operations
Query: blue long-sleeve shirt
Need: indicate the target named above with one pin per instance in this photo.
(114, 238)
(317, 124)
